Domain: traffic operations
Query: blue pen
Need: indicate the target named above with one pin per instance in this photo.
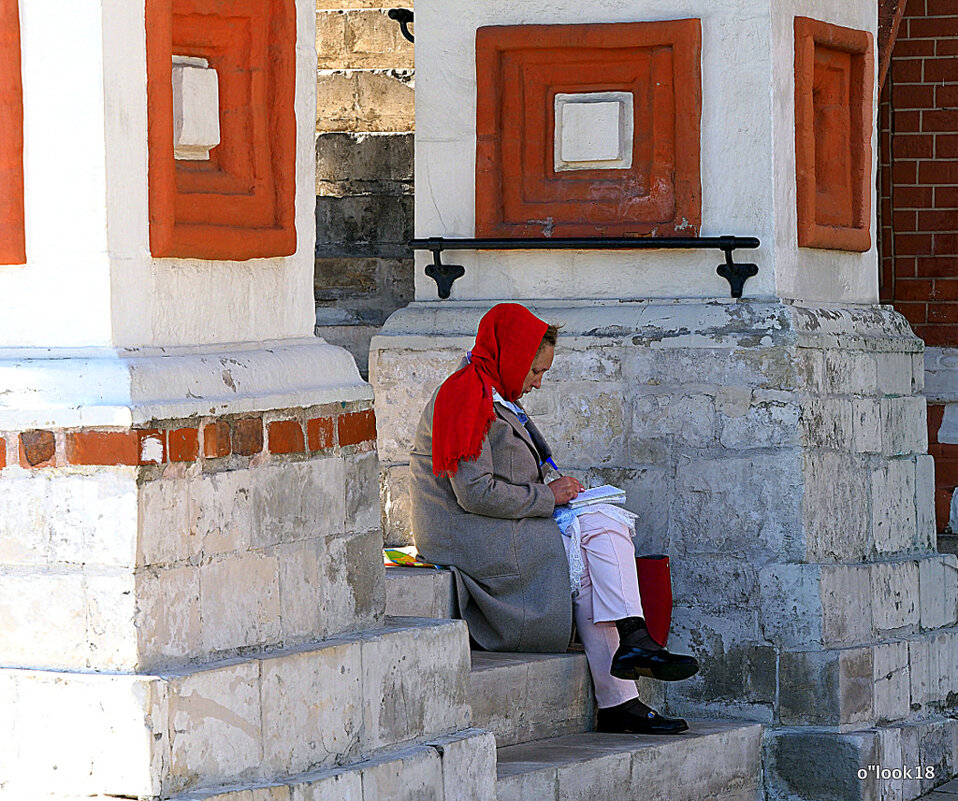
(554, 466)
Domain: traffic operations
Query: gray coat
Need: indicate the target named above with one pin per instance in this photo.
(492, 523)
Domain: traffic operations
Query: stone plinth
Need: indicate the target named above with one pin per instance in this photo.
(777, 453)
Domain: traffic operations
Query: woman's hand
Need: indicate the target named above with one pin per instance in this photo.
(565, 489)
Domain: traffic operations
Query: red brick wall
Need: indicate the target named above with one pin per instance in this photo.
(946, 466)
(918, 188)
(918, 146)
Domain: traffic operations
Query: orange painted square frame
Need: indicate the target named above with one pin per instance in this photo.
(513, 175)
(812, 35)
(241, 203)
(13, 249)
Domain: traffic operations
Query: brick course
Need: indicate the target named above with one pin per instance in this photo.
(217, 439)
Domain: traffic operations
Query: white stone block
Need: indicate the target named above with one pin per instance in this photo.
(352, 582)
(890, 749)
(82, 734)
(415, 776)
(866, 425)
(766, 424)
(895, 373)
(835, 510)
(593, 130)
(827, 423)
(196, 109)
(240, 602)
(847, 604)
(342, 785)
(892, 676)
(112, 610)
(43, 620)
(468, 765)
(904, 430)
(220, 512)
(607, 775)
(687, 419)
(297, 501)
(301, 588)
(362, 492)
(938, 589)
(419, 593)
(923, 672)
(893, 489)
(169, 626)
(216, 726)
(165, 535)
(894, 587)
(604, 441)
(395, 671)
(74, 519)
(849, 372)
(312, 709)
(927, 529)
(405, 381)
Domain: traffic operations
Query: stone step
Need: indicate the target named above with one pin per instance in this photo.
(713, 760)
(520, 697)
(419, 592)
(945, 792)
(458, 766)
(249, 719)
(900, 762)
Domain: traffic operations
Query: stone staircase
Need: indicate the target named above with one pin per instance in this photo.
(541, 711)
(379, 714)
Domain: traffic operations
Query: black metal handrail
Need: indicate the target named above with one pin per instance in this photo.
(736, 273)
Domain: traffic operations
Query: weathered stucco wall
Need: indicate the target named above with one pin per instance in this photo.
(747, 159)
(88, 262)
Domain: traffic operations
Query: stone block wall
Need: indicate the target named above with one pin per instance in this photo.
(778, 455)
(364, 178)
(194, 540)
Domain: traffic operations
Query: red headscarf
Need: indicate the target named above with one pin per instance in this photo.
(508, 340)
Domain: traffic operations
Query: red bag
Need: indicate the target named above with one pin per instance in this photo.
(655, 590)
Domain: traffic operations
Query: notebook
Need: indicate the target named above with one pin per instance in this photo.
(604, 494)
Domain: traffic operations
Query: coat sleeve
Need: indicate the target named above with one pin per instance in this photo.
(480, 492)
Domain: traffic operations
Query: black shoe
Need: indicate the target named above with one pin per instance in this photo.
(631, 661)
(634, 717)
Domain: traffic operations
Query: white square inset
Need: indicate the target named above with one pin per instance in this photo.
(593, 131)
(196, 108)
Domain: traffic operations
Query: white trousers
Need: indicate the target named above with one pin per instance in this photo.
(609, 591)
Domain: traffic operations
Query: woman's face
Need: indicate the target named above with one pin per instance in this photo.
(541, 363)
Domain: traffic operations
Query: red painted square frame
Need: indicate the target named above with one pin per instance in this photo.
(241, 203)
(521, 68)
(818, 226)
(12, 239)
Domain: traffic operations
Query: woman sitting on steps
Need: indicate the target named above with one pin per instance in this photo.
(481, 505)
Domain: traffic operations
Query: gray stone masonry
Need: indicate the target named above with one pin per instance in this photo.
(778, 454)
(364, 173)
